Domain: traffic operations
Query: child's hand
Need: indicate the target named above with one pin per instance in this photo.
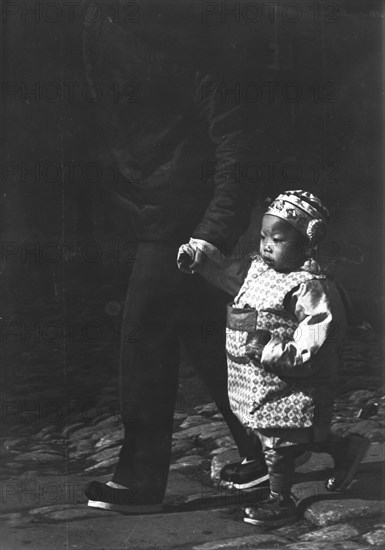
(255, 346)
(199, 258)
(185, 258)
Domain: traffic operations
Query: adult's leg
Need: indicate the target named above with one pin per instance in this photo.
(149, 371)
(203, 334)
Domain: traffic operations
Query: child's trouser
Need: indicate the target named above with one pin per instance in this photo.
(280, 454)
(281, 467)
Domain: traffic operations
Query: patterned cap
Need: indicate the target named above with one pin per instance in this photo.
(303, 211)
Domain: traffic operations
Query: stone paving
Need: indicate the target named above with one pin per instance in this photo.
(44, 470)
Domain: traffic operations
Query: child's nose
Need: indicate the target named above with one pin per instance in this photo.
(267, 246)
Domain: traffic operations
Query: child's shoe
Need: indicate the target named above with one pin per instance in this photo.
(348, 463)
(274, 512)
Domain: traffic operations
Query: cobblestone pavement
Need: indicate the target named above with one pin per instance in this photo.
(45, 463)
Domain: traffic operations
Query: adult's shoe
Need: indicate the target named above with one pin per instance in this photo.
(101, 495)
(253, 472)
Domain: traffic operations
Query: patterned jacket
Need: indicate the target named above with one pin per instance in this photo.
(289, 381)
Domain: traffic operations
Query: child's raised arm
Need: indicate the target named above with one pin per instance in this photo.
(226, 273)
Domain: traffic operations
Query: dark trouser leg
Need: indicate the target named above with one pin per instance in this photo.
(203, 334)
(149, 371)
(162, 304)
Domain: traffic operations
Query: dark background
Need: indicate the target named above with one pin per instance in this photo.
(66, 257)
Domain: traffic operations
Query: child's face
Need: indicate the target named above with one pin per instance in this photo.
(282, 245)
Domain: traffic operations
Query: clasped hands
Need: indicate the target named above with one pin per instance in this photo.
(189, 258)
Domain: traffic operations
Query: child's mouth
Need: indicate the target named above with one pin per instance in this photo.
(268, 261)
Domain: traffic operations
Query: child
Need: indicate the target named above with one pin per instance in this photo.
(283, 333)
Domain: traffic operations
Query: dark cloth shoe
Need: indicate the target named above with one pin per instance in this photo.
(274, 512)
(346, 465)
(102, 496)
(253, 472)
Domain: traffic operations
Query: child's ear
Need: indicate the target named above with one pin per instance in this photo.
(316, 230)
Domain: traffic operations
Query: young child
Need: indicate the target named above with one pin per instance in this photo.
(284, 330)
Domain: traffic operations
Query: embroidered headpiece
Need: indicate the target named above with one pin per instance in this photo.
(302, 210)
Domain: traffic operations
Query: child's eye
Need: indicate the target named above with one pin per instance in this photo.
(262, 237)
(276, 240)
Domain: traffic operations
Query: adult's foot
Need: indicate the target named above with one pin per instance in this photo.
(245, 474)
(114, 497)
(252, 472)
